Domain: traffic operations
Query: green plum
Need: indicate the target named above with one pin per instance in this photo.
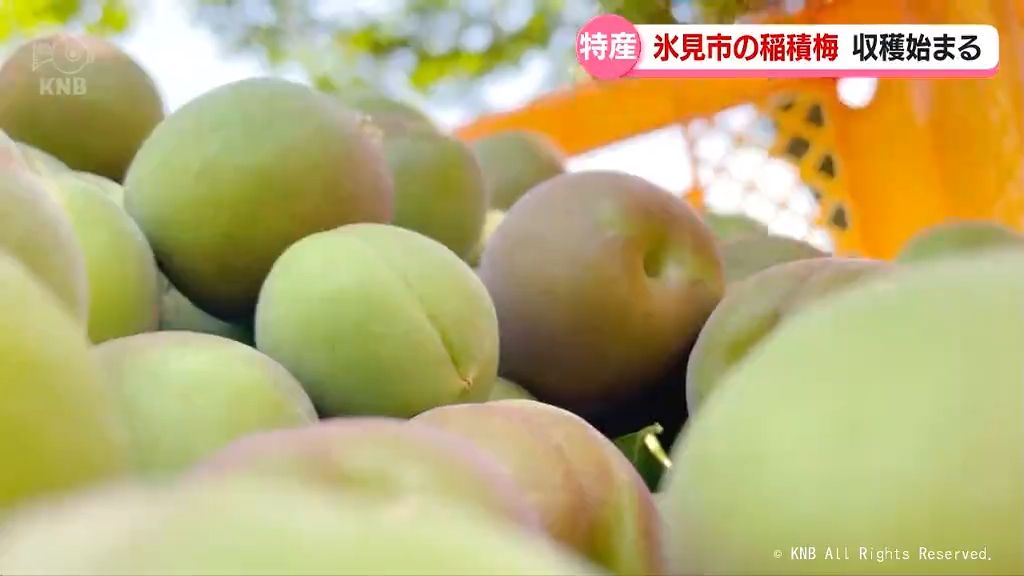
(392, 117)
(59, 430)
(749, 254)
(955, 238)
(505, 389)
(186, 395)
(728, 227)
(263, 526)
(40, 162)
(227, 182)
(755, 307)
(513, 162)
(589, 495)
(882, 427)
(36, 230)
(80, 99)
(11, 156)
(439, 189)
(105, 186)
(601, 280)
(120, 266)
(378, 320)
(380, 457)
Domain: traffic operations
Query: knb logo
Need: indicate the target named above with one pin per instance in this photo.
(56, 62)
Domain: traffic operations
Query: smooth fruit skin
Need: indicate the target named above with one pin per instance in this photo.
(378, 320)
(728, 227)
(104, 186)
(100, 126)
(957, 238)
(58, 427)
(186, 395)
(260, 526)
(756, 307)
(229, 181)
(600, 280)
(889, 416)
(40, 162)
(36, 231)
(508, 390)
(748, 255)
(513, 162)
(392, 117)
(119, 264)
(439, 189)
(380, 458)
(589, 496)
(11, 155)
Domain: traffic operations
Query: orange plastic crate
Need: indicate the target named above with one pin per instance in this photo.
(920, 153)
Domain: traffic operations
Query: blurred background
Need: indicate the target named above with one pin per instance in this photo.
(458, 60)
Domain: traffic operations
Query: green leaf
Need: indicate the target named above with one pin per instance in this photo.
(643, 449)
(366, 41)
(26, 17)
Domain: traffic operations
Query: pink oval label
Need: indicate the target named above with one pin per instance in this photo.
(608, 47)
